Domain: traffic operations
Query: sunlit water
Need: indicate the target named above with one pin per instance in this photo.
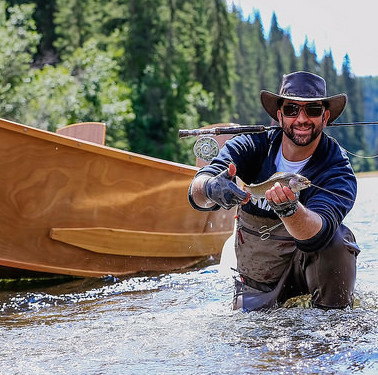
(183, 323)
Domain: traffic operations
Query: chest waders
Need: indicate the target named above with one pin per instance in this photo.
(264, 251)
(273, 270)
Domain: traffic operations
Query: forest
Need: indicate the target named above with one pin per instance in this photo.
(148, 68)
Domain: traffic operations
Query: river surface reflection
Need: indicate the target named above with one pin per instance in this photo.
(183, 323)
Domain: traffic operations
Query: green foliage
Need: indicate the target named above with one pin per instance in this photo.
(308, 60)
(102, 95)
(251, 56)
(75, 22)
(47, 99)
(352, 138)
(165, 92)
(370, 90)
(148, 68)
(19, 41)
(281, 55)
(82, 89)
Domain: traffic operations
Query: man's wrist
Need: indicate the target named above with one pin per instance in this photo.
(197, 191)
(285, 209)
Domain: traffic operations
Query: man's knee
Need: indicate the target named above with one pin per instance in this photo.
(331, 272)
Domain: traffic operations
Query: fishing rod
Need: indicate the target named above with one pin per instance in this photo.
(206, 148)
(231, 128)
(224, 129)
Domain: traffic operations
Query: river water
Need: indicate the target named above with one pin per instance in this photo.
(183, 323)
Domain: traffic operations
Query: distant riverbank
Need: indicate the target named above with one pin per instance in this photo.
(367, 174)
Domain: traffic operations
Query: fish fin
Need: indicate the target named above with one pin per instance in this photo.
(277, 174)
(254, 200)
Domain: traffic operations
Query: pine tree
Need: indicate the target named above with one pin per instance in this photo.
(249, 54)
(76, 21)
(221, 71)
(308, 60)
(186, 63)
(282, 59)
(352, 138)
(259, 61)
(329, 73)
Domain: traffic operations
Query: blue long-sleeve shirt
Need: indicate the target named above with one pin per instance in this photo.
(329, 167)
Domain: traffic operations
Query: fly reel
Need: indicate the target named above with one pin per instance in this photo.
(206, 148)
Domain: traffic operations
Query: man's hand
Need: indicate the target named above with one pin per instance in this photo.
(304, 224)
(279, 194)
(283, 201)
(223, 191)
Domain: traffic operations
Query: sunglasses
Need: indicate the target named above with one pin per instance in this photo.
(311, 110)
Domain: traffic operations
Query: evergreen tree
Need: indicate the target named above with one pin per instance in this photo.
(275, 68)
(76, 21)
(165, 92)
(282, 59)
(308, 60)
(352, 138)
(370, 89)
(329, 73)
(221, 71)
(250, 59)
(259, 73)
(148, 68)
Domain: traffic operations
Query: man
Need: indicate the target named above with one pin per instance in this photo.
(308, 249)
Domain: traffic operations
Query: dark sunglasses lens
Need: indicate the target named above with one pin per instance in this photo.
(313, 110)
(291, 110)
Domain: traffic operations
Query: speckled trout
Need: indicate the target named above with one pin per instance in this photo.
(294, 181)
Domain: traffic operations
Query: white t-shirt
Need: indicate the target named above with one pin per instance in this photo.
(284, 165)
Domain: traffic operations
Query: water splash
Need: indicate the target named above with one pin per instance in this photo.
(184, 323)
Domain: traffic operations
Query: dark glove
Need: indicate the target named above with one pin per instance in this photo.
(223, 191)
(285, 209)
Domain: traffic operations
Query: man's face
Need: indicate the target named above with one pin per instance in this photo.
(302, 122)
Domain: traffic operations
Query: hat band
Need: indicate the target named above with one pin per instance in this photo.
(308, 95)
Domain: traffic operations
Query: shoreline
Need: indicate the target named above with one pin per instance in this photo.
(367, 174)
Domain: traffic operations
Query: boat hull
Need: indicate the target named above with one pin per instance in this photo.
(51, 183)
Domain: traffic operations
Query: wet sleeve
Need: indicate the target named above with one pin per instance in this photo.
(331, 208)
(196, 207)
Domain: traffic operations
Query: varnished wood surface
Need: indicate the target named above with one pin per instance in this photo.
(88, 131)
(141, 243)
(52, 181)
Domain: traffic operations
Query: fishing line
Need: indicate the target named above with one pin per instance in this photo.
(350, 152)
(360, 156)
(332, 192)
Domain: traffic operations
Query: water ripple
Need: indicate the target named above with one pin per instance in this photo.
(183, 323)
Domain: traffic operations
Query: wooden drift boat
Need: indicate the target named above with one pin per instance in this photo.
(75, 207)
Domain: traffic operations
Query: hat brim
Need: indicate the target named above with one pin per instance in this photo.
(336, 103)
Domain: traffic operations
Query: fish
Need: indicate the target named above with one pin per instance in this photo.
(294, 181)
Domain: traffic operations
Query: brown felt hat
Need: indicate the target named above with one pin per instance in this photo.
(307, 87)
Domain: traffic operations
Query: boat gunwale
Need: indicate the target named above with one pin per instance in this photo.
(98, 149)
(23, 135)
